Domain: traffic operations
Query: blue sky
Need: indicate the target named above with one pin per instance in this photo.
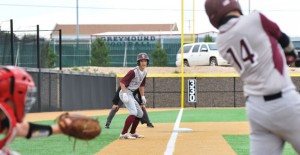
(46, 13)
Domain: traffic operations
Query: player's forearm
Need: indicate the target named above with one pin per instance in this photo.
(22, 129)
(56, 129)
(123, 87)
(142, 91)
(286, 43)
(30, 130)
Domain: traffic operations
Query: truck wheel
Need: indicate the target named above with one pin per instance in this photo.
(186, 63)
(213, 62)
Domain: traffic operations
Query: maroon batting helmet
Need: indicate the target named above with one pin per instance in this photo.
(142, 56)
(17, 85)
(217, 9)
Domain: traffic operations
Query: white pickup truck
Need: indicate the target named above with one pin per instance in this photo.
(200, 54)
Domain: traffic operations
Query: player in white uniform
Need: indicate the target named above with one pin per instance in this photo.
(259, 51)
(133, 80)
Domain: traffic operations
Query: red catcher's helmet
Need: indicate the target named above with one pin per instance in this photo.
(142, 56)
(17, 85)
(217, 9)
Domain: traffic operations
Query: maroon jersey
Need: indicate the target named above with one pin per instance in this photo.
(134, 78)
(255, 53)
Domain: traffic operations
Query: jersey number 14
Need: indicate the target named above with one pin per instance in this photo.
(246, 55)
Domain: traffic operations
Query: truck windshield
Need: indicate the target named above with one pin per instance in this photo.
(186, 49)
(212, 46)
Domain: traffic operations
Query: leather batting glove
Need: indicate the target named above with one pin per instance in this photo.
(125, 98)
(291, 56)
(297, 62)
(144, 101)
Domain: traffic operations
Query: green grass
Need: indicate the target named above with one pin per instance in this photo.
(240, 144)
(62, 145)
(214, 115)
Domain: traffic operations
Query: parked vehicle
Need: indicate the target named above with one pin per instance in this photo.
(200, 54)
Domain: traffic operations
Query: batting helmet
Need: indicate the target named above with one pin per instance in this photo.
(217, 9)
(142, 56)
(17, 85)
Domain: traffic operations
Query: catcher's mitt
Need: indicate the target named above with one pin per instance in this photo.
(79, 126)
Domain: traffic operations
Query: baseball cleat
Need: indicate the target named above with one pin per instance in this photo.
(127, 136)
(137, 135)
(107, 127)
(150, 125)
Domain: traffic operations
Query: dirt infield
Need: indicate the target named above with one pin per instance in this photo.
(206, 137)
(54, 115)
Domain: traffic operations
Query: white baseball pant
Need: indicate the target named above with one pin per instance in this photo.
(132, 106)
(273, 123)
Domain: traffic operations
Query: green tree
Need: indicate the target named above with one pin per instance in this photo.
(5, 50)
(100, 52)
(30, 37)
(48, 57)
(159, 55)
(5, 35)
(51, 58)
(208, 38)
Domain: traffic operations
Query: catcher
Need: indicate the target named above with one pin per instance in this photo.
(17, 95)
(117, 103)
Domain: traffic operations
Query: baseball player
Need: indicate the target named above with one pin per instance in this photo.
(133, 80)
(259, 51)
(17, 95)
(117, 104)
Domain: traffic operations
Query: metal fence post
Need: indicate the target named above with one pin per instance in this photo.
(234, 103)
(11, 42)
(60, 69)
(38, 66)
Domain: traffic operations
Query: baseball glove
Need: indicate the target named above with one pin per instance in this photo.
(79, 126)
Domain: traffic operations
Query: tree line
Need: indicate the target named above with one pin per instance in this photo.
(99, 51)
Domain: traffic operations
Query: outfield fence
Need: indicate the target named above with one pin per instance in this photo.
(64, 90)
(213, 90)
(68, 90)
